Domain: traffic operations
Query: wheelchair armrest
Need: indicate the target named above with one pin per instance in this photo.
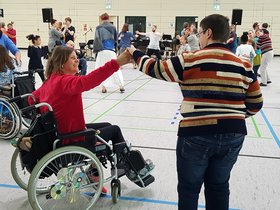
(87, 132)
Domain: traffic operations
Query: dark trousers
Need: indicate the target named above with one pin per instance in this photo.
(108, 131)
(255, 69)
(154, 52)
(209, 160)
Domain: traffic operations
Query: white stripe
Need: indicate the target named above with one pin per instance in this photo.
(214, 116)
(236, 106)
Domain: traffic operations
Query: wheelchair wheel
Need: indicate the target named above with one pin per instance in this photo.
(10, 119)
(65, 170)
(115, 190)
(19, 173)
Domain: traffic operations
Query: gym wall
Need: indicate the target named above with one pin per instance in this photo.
(27, 15)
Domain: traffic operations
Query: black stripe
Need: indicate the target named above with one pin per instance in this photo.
(212, 85)
(219, 67)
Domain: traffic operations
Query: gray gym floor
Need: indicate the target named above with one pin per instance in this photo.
(148, 115)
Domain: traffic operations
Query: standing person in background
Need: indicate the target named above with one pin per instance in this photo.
(104, 43)
(125, 37)
(220, 90)
(264, 28)
(186, 26)
(264, 43)
(258, 57)
(11, 33)
(55, 35)
(153, 47)
(232, 41)
(70, 32)
(10, 46)
(245, 50)
(192, 39)
(35, 54)
(256, 26)
(184, 47)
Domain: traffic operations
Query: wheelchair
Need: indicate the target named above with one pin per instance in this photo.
(11, 117)
(69, 177)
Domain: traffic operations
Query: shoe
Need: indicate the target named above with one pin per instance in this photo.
(263, 85)
(143, 173)
(93, 177)
(268, 82)
(122, 90)
(104, 90)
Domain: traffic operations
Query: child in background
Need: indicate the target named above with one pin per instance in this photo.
(245, 50)
(184, 47)
(35, 53)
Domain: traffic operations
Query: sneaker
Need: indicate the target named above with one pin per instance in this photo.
(122, 90)
(93, 177)
(263, 85)
(268, 82)
(104, 90)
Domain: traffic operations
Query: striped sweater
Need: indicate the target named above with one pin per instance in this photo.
(219, 89)
(264, 43)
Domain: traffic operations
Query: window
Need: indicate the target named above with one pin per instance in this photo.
(180, 21)
(136, 23)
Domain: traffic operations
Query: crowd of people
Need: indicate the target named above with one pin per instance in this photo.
(218, 95)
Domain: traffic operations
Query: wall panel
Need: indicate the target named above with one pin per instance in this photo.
(27, 14)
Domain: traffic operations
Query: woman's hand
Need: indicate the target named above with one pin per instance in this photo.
(124, 58)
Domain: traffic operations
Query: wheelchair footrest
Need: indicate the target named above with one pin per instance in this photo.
(146, 181)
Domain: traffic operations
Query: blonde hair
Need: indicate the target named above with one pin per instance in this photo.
(59, 57)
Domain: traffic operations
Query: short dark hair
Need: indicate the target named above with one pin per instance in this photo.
(33, 37)
(219, 25)
(265, 25)
(244, 38)
(255, 25)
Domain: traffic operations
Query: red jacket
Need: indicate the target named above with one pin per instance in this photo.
(64, 94)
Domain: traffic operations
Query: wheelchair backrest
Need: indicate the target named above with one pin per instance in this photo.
(43, 133)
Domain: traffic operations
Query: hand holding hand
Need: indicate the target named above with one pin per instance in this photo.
(131, 49)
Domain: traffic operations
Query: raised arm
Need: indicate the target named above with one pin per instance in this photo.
(170, 70)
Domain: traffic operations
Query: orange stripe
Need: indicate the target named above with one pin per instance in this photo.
(214, 101)
(167, 71)
(195, 73)
(148, 65)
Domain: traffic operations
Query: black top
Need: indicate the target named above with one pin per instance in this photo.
(35, 54)
(69, 36)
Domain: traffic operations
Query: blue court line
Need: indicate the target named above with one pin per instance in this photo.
(144, 200)
(270, 128)
(10, 186)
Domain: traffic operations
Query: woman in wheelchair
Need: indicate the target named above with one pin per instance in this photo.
(6, 71)
(63, 91)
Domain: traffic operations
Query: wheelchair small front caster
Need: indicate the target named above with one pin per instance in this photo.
(115, 190)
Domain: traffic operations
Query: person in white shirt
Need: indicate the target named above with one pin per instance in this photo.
(153, 47)
(245, 50)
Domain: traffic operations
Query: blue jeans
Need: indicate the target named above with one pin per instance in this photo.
(206, 159)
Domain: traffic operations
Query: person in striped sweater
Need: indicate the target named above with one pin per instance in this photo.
(264, 43)
(219, 91)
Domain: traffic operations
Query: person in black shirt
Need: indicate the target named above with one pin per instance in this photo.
(70, 30)
(35, 53)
